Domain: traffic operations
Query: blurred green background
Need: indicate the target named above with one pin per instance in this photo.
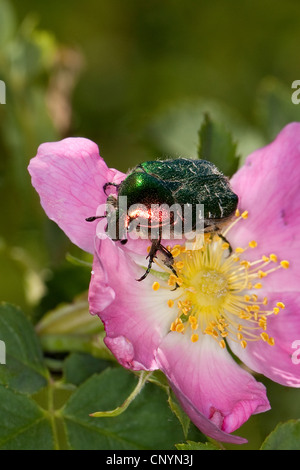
(136, 77)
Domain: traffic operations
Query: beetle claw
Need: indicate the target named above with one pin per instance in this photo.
(226, 241)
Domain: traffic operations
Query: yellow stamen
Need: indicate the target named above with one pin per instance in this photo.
(280, 305)
(253, 244)
(264, 336)
(262, 274)
(180, 328)
(179, 264)
(244, 215)
(245, 263)
(285, 264)
(213, 291)
(192, 319)
(155, 285)
(176, 251)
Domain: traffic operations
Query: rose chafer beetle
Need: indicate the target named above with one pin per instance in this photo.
(180, 184)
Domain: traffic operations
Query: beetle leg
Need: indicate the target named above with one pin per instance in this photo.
(169, 260)
(110, 184)
(152, 254)
(91, 219)
(226, 241)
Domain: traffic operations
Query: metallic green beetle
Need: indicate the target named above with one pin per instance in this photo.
(181, 184)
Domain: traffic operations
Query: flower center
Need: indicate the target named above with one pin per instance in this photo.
(216, 292)
(210, 286)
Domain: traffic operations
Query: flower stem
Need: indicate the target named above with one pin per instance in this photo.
(120, 409)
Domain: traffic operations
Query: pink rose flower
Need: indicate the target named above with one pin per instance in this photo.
(247, 301)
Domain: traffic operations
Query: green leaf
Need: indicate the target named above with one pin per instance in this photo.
(24, 425)
(78, 367)
(148, 422)
(178, 411)
(274, 107)
(286, 436)
(216, 145)
(24, 370)
(191, 445)
(7, 21)
(173, 131)
(122, 408)
(70, 319)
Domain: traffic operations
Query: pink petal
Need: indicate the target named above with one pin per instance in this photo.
(268, 187)
(135, 317)
(277, 362)
(69, 176)
(214, 391)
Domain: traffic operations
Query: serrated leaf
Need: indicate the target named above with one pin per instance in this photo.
(24, 425)
(217, 145)
(173, 132)
(286, 436)
(24, 370)
(191, 445)
(148, 423)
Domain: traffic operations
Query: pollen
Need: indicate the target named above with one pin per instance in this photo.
(155, 285)
(194, 338)
(216, 293)
(285, 264)
(179, 265)
(176, 251)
